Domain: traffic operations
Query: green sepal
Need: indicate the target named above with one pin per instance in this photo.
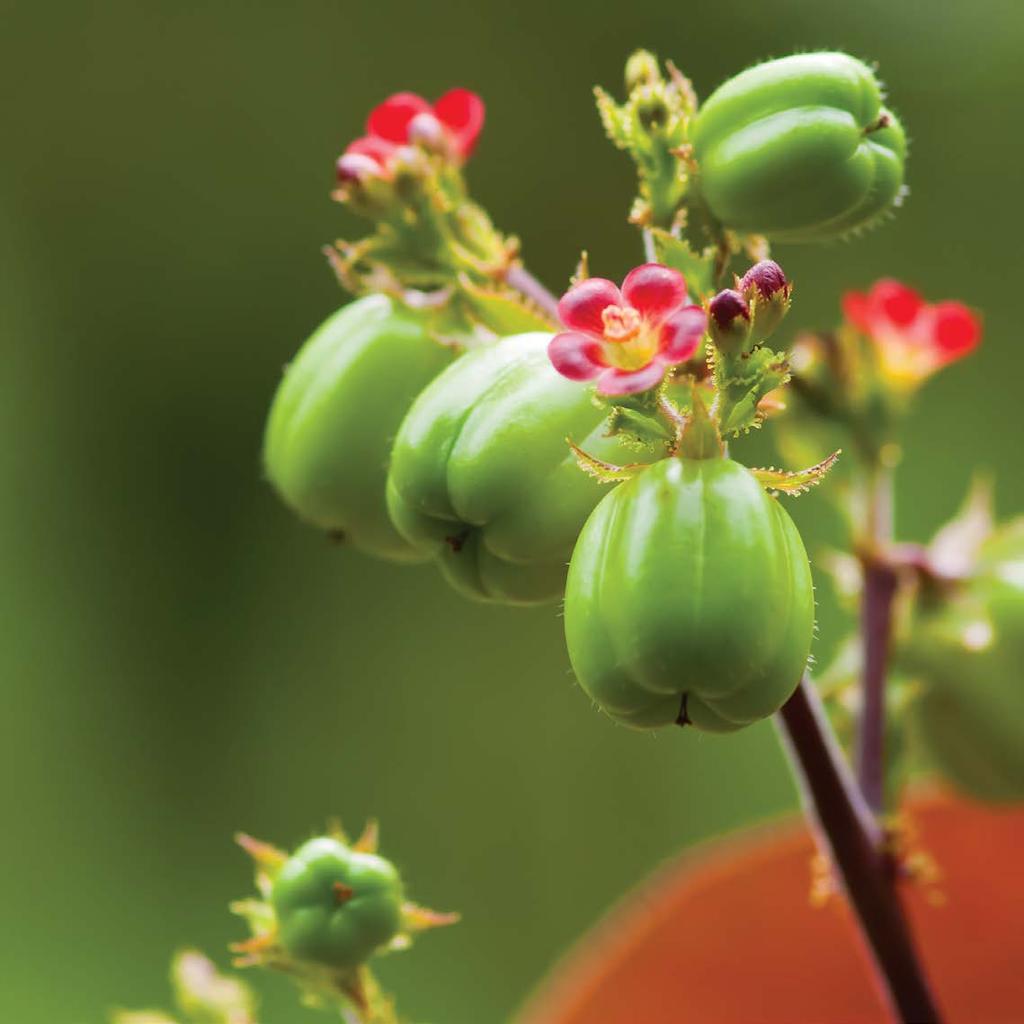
(779, 481)
(601, 471)
(742, 382)
(637, 429)
(502, 309)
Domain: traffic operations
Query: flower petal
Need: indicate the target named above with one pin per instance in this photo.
(390, 120)
(654, 290)
(857, 310)
(681, 334)
(462, 113)
(629, 382)
(575, 356)
(580, 308)
(894, 301)
(955, 330)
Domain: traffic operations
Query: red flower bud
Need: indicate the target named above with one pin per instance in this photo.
(729, 324)
(726, 306)
(767, 277)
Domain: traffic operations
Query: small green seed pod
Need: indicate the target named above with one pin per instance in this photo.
(336, 906)
(689, 597)
(799, 149)
(336, 413)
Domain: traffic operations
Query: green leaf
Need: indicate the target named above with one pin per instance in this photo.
(780, 481)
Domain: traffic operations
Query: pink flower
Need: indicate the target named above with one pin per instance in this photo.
(913, 338)
(452, 124)
(626, 340)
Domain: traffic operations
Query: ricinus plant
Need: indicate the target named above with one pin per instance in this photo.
(457, 412)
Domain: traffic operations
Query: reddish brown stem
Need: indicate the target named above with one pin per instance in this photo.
(880, 583)
(850, 834)
(525, 283)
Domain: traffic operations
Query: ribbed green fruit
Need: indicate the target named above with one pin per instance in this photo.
(336, 412)
(483, 480)
(799, 149)
(689, 597)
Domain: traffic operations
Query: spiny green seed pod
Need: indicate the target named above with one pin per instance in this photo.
(689, 598)
(482, 478)
(967, 653)
(335, 415)
(334, 905)
(799, 149)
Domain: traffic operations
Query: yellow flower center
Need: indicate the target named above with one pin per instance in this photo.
(628, 343)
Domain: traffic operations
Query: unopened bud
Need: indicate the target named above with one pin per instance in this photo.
(767, 277)
(354, 168)
(425, 130)
(642, 69)
(729, 321)
(768, 291)
(651, 107)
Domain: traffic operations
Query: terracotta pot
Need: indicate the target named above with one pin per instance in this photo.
(728, 935)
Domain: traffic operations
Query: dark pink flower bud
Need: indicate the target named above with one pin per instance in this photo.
(726, 306)
(767, 277)
(766, 289)
(729, 321)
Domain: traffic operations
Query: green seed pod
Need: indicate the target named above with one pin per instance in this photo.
(799, 149)
(968, 652)
(482, 477)
(336, 906)
(689, 594)
(335, 415)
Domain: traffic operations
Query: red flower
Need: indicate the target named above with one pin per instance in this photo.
(453, 123)
(627, 340)
(913, 338)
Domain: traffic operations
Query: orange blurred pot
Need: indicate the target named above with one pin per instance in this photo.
(727, 935)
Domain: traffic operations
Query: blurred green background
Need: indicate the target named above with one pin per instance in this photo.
(180, 658)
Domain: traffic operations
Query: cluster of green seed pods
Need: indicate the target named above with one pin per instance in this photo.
(689, 593)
